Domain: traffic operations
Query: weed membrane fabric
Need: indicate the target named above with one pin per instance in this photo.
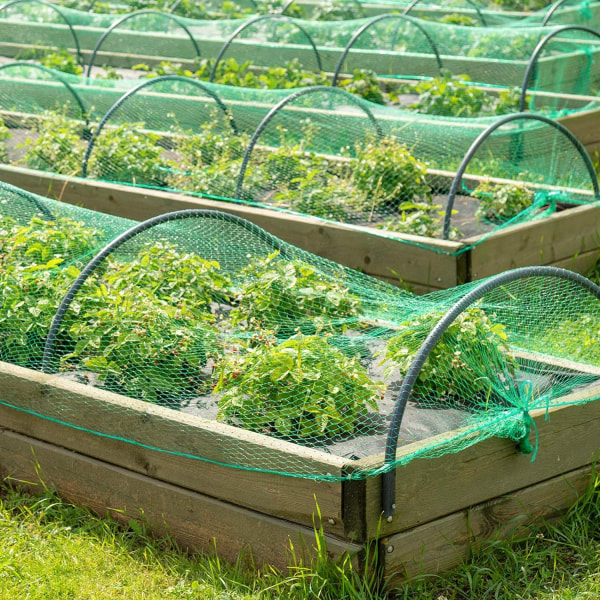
(198, 327)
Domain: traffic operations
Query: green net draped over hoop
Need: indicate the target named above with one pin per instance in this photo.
(202, 320)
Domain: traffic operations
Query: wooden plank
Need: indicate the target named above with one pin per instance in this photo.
(485, 470)
(175, 447)
(447, 542)
(585, 126)
(192, 519)
(538, 361)
(581, 263)
(556, 238)
(424, 262)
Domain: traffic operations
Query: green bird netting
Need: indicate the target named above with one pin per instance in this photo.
(317, 151)
(391, 44)
(463, 12)
(197, 318)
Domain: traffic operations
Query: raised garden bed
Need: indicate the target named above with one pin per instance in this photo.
(445, 506)
(125, 48)
(471, 419)
(112, 452)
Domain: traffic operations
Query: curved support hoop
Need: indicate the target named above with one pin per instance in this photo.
(531, 66)
(31, 197)
(241, 28)
(389, 476)
(136, 89)
(132, 15)
(481, 138)
(125, 237)
(55, 9)
(552, 10)
(55, 75)
(374, 20)
(267, 118)
(475, 7)
(286, 6)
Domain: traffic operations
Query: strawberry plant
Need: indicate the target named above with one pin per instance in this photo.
(288, 295)
(58, 59)
(417, 218)
(467, 358)
(500, 202)
(57, 147)
(146, 326)
(35, 272)
(301, 388)
(126, 153)
(387, 174)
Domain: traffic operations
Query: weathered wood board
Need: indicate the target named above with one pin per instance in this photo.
(196, 522)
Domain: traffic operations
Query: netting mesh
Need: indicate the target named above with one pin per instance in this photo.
(319, 151)
(465, 12)
(391, 44)
(204, 320)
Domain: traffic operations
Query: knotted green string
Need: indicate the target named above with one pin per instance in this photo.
(527, 402)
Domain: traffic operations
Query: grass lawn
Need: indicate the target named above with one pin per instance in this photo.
(52, 550)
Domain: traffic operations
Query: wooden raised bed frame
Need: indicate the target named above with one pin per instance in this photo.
(569, 239)
(445, 506)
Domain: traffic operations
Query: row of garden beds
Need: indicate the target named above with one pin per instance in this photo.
(424, 49)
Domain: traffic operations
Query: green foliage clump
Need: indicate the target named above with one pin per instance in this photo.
(465, 360)
(285, 295)
(364, 84)
(58, 59)
(316, 195)
(127, 154)
(458, 19)
(416, 218)
(146, 328)
(34, 276)
(300, 388)
(387, 175)
(500, 202)
(338, 10)
(454, 96)
(58, 146)
(207, 162)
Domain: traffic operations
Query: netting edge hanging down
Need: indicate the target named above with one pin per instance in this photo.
(389, 473)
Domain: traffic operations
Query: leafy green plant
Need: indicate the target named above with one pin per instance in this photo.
(146, 328)
(458, 19)
(288, 295)
(338, 10)
(316, 195)
(58, 146)
(58, 59)
(300, 388)
(127, 153)
(387, 175)
(417, 218)
(35, 273)
(364, 83)
(500, 202)
(450, 95)
(465, 361)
